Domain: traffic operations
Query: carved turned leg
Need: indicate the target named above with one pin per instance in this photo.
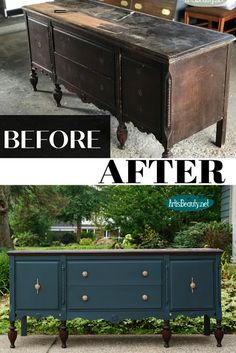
(57, 94)
(166, 333)
(167, 153)
(122, 134)
(12, 334)
(207, 329)
(63, 334)
(219, 334)
(34, 79)
(220, 132)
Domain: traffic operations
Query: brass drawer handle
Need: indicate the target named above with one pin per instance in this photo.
(165, 12)
(192, 285)
(145, 273)
(84, 298)
(138, 6)
(37, 286)
(85, 274)
(145, 297)
(39, 44)
(124, 3)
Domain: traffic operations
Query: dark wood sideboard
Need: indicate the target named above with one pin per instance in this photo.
(115, 285)
(168, 78)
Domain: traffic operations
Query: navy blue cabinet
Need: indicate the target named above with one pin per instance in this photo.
(115, 285)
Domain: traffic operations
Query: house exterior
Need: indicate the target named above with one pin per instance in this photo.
(228, 212)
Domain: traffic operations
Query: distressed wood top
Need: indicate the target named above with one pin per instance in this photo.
(153, 35)
(118, 252)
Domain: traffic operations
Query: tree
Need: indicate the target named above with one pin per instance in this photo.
(5, 238)
(80, 202)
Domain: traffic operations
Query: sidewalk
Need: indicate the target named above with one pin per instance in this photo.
(119, 344)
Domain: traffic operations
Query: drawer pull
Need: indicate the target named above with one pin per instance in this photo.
(84, 298)
(192, 285)
(37, 286)
(124, 3)
(145, 273)
(145, 297)
(39, 44)
(85, 274)
(138, 6)
(165, 12)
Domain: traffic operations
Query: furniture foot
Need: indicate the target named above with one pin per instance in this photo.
(63, 334)
(166, 333)
(57, 94)
(24, 326)
(220, 132)
(12, 334)
(122, 134)
(207, 330)
(167, 153)
(219, 334)
(34, 79)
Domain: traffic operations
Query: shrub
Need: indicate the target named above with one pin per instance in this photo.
(68, 238)
(4, 273)
(90, 234)
(86, 241)
(26, 239)
(212, 234)
(151, 239)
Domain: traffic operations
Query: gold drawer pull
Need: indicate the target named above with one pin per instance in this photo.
(37, 286)
(165, 12)
(85, 298)
(39, 44)
(138, 6)
(145, 273)
(192, 285)
(124, 3)
(85, 274)
(145, 297)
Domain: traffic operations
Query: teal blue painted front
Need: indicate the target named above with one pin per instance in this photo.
(115, 285)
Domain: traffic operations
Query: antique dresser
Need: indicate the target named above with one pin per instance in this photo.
(168, 78)
(115, 285)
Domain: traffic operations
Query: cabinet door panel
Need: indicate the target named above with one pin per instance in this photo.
(39, 43)
(113, 297)
(28, 273)
(200, 273)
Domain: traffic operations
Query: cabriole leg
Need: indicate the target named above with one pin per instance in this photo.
(166, 333)
(219, 334)
(24, 326)
(167, 153)
(122, 134)
(63, 334)
(207, 330)
(34, 79)
(57, 94)
(12, 334)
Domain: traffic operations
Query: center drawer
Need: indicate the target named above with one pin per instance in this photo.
(114, 272)
(84, 52)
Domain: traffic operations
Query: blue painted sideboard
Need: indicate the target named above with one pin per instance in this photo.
(115, 285)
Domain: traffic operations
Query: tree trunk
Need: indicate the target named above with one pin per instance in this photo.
(5, 238)
(78, 231)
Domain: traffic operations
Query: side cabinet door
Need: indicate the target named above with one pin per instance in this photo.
(184, 275)
(38, 33)
(42, 274)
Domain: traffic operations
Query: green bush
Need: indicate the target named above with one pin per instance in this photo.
(86, 241)
(151, 239)
(4, 273)
(212, 234)
(26, 239)
(68, 238)
(90, 234)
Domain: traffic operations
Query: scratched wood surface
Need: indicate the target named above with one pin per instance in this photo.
(167, 38)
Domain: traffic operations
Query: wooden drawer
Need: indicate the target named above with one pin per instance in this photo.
(98, 86)
(45, 274)
(160, 8)
(113, 272)
(141, 93)
(200, 274)
(84, 52)
(39, 44)
(114, 297)
(121, 3)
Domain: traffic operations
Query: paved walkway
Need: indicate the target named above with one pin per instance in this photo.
(119, 344)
